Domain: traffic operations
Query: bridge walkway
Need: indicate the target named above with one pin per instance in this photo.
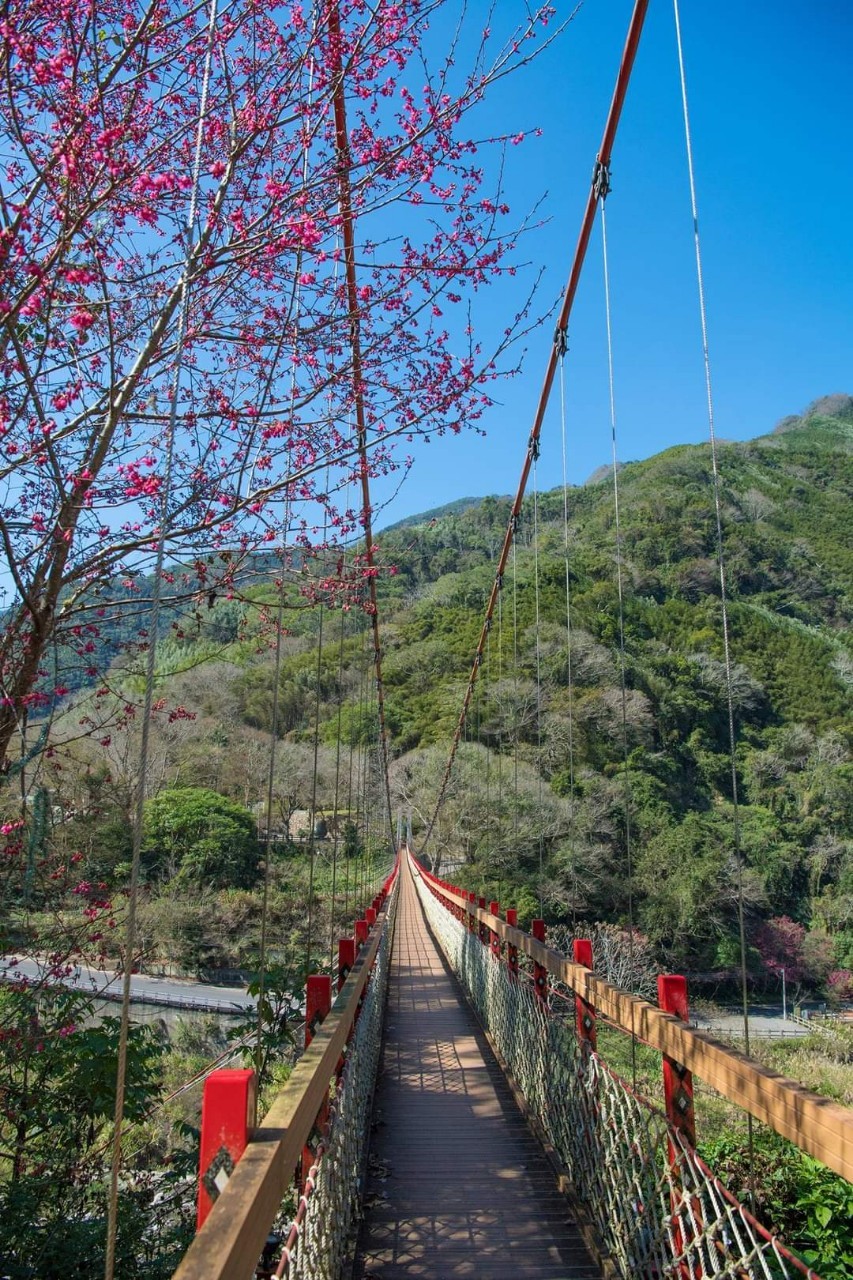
(457, 1185)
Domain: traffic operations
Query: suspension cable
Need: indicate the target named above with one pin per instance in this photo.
(150, 666)
(347, 227)
(336, 812)
(721, 560)
(274, 726)
(312, 834)
(602, 162)
(569, 636)
(620, 594)
(536, 596)
(501, 696)
(348, 856)
(516, 717)
(276, 700)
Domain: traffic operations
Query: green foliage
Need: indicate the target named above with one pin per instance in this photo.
(269, 1029)
(200, 837)
(799, 1199)
(57, 1078)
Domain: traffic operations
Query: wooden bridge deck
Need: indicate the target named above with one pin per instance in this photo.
(457, 1185)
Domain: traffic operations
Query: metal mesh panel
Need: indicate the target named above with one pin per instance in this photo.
(317, 1238)
(657, 1208)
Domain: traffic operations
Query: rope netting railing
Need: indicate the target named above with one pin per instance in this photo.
(655, 1207)
(279, 1198)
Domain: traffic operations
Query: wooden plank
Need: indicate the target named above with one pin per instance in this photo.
(818, 1125)
(457, 1185)
(230, 1242)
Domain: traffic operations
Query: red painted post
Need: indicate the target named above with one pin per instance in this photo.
(540, 973)
(346, 959)
(361, 932)
(370, 917)
(511, 948)
(494, 939)
(678, 1098)
(318, 1002)
(227, 1121)
(677, 1080)
(482, 927)
(584, 1010)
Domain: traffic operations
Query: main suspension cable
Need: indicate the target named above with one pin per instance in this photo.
(602, 162)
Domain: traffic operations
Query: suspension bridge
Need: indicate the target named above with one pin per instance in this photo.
(501, 1143)
(453, 1113)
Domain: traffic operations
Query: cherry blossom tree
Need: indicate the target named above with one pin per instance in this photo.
(176, 330)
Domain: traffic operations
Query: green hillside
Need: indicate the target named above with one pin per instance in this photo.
(564, 786)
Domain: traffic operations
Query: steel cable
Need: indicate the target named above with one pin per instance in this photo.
(721, 560)
(150, 666)
(569, 636)
(620, 592)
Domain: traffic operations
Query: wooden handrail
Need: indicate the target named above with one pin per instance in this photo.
(232, 1238)
(818, 1125)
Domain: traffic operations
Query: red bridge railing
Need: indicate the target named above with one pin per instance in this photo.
(313, 1136)
(653, 1206)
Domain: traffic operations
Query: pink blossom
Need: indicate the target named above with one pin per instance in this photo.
(82, 319)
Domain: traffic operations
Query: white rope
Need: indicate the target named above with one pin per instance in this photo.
(540, 795)
(279, 625)
(718, 515)
(569, 636)
(621, 600)
(166, 491)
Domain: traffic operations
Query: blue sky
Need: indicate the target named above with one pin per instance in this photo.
(772, 124)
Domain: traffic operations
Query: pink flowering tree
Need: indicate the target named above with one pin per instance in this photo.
(175, 327)
(176, 335)
(779, 943)
(806, 955)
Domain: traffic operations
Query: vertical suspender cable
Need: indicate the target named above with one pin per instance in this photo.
(348, 855)
(347, 230)
(540, 789)
(569, 654)
(336, 813)
(516, 718)
(489, 824)
(620, 592)
(276, 699)
(718, 515)
(312, 835)
(501, 703)
(274, 726)
(160, 555)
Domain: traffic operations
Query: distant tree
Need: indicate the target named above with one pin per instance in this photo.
(202, 837)
(620, 956)
(779, 943)
(352, 844)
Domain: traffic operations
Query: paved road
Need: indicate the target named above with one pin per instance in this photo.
(143, 988)
(765, 1022)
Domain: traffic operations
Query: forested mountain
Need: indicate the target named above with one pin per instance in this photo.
(570, 786)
